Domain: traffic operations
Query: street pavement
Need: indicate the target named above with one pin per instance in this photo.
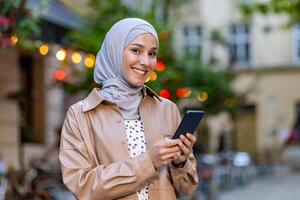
(279, 187)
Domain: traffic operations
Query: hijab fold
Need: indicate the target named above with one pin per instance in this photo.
(109, 70)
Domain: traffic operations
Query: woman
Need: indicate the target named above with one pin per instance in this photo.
(115, 143)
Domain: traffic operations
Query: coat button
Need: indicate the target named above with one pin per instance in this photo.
(123, 142)
(119, 121)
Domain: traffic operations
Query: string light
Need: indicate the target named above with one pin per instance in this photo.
(180, 92)
(164, 35)
(165, 93)
(183, 92)
(76, 57)
(153, 76)
(89, 60)
(61, 54)
(188, 92)
(44, 49)
(14, 39)
(59, 75)
(203, 96)
(160, 66)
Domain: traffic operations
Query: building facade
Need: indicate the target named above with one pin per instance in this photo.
(264, 58)
(31, 102)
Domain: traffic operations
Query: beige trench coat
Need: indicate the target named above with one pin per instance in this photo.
(94, 154)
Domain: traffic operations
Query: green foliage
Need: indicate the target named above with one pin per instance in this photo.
(190, 73)
(90, 38)
(288, 7)
(17, 21)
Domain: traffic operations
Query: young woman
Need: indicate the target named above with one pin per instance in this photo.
(115, 143)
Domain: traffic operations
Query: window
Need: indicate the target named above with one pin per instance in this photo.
(192, 41)
(240, 44)
(296, 44)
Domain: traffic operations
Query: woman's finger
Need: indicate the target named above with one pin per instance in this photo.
(191, 137)
(168, 156)
(183, 148)
(167, 142)
(173, 149)
(186, 141)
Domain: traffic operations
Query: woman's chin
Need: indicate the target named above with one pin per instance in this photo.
(137, 83)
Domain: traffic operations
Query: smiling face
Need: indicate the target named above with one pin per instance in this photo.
(139, 59)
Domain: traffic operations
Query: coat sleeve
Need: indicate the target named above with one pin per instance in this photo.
(185, 179)
(88, 180)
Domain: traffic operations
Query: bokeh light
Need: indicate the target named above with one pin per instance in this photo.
(187, 92)
(183, 92)
(76, 57)
(160, 66)
(59, 75)
(165, 93)
(14, 39)
(44, 49)
(164, 35)
(153, 76)
(180, 92)
(89, 60)
(61, 54)
(203, 96)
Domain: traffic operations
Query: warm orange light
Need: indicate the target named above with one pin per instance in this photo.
(203, 96)
(180, 92)
(165, 93)
(153, 76)
(89, 60)
(59, 75)
(160, 66)
(14, 39)
(164, 35)
(187, 92)
(76, 57)
(61, 54)
(44, 49)
(183, 92)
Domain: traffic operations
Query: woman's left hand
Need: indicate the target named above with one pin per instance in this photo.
(186, 145)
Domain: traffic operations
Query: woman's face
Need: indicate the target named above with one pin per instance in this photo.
(139, 59)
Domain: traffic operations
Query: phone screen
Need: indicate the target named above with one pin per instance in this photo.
(189, 122)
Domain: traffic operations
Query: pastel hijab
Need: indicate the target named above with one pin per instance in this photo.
(109, 70)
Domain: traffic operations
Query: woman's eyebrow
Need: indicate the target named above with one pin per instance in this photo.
(142, 46)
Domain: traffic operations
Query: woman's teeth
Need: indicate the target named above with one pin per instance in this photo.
(142, 72)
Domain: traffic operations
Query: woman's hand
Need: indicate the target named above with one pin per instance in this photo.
(164, 151)
(185, 144)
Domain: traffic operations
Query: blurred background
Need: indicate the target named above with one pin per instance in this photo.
(238, 60)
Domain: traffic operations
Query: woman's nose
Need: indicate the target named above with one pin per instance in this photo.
(144, 60)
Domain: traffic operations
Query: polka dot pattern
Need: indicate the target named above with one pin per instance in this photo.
(136, 146)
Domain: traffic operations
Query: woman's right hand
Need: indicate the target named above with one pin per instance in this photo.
(164, 151)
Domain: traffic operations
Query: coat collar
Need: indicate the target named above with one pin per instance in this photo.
(94, 98)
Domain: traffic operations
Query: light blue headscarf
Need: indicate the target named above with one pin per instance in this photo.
(109, 70)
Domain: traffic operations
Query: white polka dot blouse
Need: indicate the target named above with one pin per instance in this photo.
(136, 146)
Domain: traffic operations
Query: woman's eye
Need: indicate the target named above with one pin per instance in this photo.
(152, 54)
(136, 51)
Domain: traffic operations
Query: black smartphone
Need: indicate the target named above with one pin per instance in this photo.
(189, 123)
